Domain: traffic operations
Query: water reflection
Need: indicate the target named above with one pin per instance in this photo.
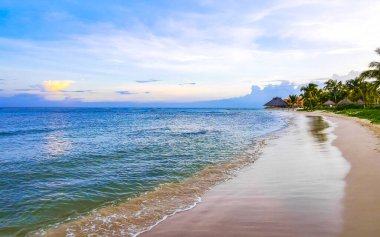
(56, 142)
(317, 128)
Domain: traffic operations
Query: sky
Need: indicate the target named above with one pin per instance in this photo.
(178, 51)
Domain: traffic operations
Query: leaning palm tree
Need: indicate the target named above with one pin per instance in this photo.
(374, 72)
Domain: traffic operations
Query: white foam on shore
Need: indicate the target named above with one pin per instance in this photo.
(167, 216)
(121, 218)
(296, 187)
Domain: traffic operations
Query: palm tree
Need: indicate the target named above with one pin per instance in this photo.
(354, 89)
(377, 95)
(366, 87)
(335, 90)
(293, 101)
(310, 95)
(374, 72)
(359, 88)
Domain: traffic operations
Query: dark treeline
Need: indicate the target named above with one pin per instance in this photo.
(362, 91)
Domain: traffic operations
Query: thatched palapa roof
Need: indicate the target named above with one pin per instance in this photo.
(360, 102)
(345, 101)
(329, 103)
(277, 102)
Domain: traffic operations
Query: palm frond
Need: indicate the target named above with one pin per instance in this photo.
(370, 74)
(374, 65)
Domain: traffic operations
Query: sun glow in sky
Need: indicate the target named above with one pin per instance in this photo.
(55, 86)
(179, 50)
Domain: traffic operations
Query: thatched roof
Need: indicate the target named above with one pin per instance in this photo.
(360, 102)
(277, 102)
(328, 103)
(345, 101)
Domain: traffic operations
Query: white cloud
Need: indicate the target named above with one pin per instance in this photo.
(350, 24)
(223, 51)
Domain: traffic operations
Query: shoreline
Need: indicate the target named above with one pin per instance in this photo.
(284, 193)
(375, 128)
(344, 223)
(360, 202)
(359, 141)
(135, 217)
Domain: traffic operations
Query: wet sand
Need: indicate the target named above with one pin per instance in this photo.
(359, 142)
(296, 188)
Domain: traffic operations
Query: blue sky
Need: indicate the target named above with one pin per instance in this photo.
(178, 51)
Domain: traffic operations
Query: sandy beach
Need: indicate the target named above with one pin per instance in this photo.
(310, 182)
(359, 142)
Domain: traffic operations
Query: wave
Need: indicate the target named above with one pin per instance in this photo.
(26, 132)
(199, 200)
(142, 213)
(171, 132)
(193, 133)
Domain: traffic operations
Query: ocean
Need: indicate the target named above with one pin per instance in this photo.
(75, 170)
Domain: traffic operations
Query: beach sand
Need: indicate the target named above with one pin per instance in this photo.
(305, 184)
(359, 142)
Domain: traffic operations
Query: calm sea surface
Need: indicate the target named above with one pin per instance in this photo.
(56, 164)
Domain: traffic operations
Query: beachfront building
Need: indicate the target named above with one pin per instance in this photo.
(345, 101)
(276, 103)
(360, 102)
(329, 103)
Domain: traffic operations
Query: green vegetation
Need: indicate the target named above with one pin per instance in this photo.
(372, 115)
(358, 97)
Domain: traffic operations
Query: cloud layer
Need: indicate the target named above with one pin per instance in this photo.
(255, 99)
(124, 92)
(200, 50)
(147, 81)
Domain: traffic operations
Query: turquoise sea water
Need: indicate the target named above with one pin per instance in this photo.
(56, 164)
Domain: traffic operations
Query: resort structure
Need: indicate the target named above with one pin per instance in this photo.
(329, 103)
(276, 103)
